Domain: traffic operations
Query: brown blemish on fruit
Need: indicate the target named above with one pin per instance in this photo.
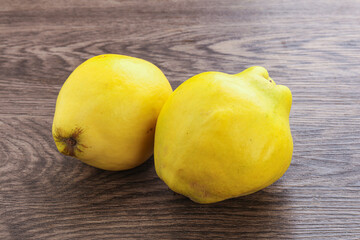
(71, 141)
(198, 187)
(150, 130)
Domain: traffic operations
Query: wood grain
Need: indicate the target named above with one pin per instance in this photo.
(313, 47)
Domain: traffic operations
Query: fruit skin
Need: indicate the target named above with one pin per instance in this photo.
(107, 109)
(221, 136)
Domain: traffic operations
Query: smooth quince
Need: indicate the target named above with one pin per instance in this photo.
(107, 109)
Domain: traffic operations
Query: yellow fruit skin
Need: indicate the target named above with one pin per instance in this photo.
(107, 109)
(221, 136)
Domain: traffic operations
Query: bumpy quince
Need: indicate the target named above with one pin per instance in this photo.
(221, 136)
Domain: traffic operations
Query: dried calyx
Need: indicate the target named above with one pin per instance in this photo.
(71, 141)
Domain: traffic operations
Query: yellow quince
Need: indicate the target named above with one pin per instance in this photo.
(107, 109)
(221, 136)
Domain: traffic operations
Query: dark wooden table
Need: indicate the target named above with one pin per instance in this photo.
(313, 47)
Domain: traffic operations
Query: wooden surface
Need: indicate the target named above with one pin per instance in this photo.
(313, 47)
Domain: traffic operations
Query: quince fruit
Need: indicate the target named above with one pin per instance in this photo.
(107, 109)
(221, 136)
